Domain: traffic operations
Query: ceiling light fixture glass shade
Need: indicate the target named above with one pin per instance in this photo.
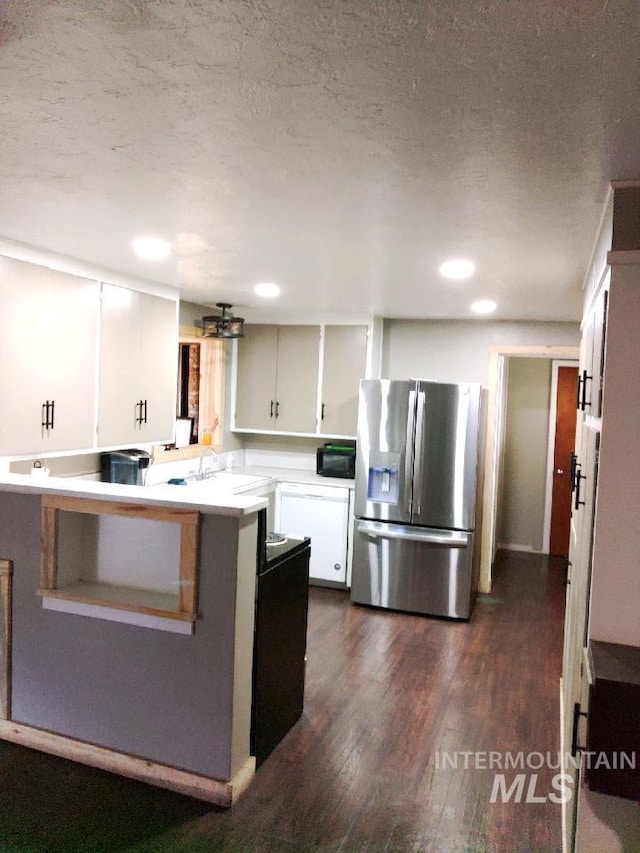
(222, 325)
(457, 268)
(484, 306)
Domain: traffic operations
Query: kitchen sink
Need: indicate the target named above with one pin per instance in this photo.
(235, 481)
(229, 481)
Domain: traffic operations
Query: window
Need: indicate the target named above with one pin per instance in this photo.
(201, 386)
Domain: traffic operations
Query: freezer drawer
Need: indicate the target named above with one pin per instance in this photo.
(417, 569)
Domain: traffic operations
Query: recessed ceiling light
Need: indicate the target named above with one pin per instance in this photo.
(151, 248)
(484, 306)
(457, 268)
(267, 289)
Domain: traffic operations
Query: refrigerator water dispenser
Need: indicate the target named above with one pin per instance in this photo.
(383, 481)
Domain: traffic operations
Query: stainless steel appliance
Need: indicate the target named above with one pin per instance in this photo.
(415, 496)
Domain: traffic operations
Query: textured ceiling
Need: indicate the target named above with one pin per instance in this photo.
(341, 149)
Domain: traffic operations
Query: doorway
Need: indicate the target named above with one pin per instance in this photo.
(495, 433)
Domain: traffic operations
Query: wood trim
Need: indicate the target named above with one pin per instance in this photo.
(118, 597)
(213, 356)
(189, 544)
(176, 454)
(6, 595)
(550, 351)
(212, 370)
(222, 793)
(48, 545)
(98, 507)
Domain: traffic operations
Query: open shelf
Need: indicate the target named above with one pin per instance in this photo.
(153, 603)
(100, 554)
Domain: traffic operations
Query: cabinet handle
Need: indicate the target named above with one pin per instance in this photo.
(322, 413)
(579, 395)
(577, 713)
(579, 476)
(572, 473)
(139, 410)
(145, 412)
(46, 420)
(582, 391)
(52, 411)
(271, 410)
(277, 409)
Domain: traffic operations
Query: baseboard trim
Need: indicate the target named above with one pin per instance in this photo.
(220, 792)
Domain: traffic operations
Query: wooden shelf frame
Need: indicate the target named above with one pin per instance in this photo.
(111, 595)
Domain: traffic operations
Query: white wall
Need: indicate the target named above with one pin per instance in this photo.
(521, 513)
(458, 350)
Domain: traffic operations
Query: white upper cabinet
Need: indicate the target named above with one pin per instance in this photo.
(297, 378)
(256, 378)
(138, 367)
(277, 379)
(344, 364)
(279, 371)
(48, 346)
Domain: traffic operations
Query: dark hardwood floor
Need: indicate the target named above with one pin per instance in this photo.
(387, 694)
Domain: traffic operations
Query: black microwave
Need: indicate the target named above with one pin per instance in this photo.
(336, 460)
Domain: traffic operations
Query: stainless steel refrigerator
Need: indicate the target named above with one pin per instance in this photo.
(415, 496)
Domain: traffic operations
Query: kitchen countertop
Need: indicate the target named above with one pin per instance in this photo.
(295, 475)
(203, 496)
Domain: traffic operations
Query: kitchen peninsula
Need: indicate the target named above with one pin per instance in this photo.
(126, 629)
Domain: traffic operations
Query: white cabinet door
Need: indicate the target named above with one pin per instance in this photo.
(159, 367)
(297, 378)
(48, 350)
(344, 364)
(322, 513)
(138, 367)
(256, 378)
(277, 379)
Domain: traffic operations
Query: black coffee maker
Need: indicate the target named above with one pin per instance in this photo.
(127, 467)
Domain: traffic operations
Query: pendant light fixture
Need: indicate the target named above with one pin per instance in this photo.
(222, 325)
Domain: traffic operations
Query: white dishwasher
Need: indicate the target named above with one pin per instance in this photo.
(322, 513)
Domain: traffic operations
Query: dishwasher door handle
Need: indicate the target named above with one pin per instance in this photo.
(450, 539)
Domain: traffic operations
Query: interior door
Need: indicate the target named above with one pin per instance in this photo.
(564, 444)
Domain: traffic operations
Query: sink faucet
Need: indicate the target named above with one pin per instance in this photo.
(204, 473)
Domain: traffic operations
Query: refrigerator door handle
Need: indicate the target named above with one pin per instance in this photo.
(448, 538)
(417, 454)
(409, 454)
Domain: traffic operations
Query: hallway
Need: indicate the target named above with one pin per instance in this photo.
(387, 696)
